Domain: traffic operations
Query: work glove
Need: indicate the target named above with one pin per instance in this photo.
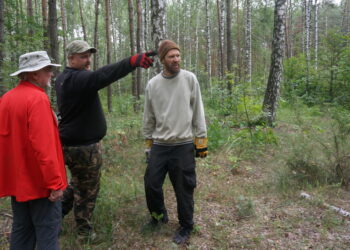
(201, 146)
(148, 143)
(143, 60)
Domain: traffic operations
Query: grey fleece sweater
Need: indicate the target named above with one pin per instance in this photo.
(174, 112)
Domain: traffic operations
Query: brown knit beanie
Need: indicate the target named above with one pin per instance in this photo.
(165, 46)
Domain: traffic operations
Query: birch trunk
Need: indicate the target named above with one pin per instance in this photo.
(158, 25)
(307, 41)
(238, 59)
(132, 49)
(316, 34)
(208, 38)
(221, 37)
(345, 17)
(248, 42)
(276, 69)
(53, 52)
(138, 47)
(64, 29)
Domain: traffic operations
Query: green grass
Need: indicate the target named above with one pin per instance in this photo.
(246, 195)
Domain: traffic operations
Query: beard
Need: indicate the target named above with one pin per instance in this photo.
(172, 68)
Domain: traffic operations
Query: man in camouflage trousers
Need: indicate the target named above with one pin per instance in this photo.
(83, 125)
(85, 163)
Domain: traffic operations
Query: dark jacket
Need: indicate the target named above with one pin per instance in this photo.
(82, 120)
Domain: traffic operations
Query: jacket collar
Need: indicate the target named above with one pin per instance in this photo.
(31, 85)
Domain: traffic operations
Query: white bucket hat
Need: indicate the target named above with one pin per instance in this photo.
(34, 61)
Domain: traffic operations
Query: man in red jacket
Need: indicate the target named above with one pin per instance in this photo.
(32, 169)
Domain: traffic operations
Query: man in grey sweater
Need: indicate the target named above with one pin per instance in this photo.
(174, 121)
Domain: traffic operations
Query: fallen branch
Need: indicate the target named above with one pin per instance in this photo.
(6, 215)
(334, 208)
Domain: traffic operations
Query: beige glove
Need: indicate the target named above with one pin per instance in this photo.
(201, 145)
(148, 144)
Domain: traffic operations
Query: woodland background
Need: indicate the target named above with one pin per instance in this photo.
(275, 78)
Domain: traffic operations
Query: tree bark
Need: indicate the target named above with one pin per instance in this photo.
(316, 34)
(345, 17)
(229, 36)
(64, 30)
(138, 48)
(208, 38)
(97, 3)
(229, 43)
(248, 42)
(108, 44)
(53, 52)
(307, 4)
(30, 19)
(276, 69)
(2, 47)
(238, 59)
(221, 37)
(45, 24)
(132, 46)
(82, 20)
(158, 25)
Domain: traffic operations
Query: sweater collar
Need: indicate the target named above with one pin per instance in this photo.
(170, 77)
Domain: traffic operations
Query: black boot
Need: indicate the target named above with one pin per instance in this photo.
(182, 235)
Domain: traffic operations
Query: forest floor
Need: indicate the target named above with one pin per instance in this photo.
(237, 206)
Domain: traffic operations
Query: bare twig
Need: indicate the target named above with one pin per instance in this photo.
(334, 208)
(6, 215)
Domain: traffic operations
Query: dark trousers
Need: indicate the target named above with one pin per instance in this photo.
(35, 223)
(179, 162)
(84, 163)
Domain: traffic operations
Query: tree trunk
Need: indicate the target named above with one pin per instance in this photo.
(138, 47)
(108, 44)
(146, 24)
(208, 38)
(132, 48)
(221, 37)
(64, 31)
(97, 3)
(158, 25)
(45, 24)
(53, 52)
(345, 17)
(307, 42)
(30, 19)
(229, 42)
(276, 69)
(238, 59)
(82, 20)
(197, 42)
(229, 36)
(316, 34)
(2, 47)
(248, 42)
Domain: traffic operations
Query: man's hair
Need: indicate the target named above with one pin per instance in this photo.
(23, 76)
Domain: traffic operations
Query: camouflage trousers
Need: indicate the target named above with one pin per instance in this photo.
(84, 163)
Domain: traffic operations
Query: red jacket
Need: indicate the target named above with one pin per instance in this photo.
(31, 158)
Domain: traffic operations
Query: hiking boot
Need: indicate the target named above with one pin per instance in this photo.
(182, 235)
